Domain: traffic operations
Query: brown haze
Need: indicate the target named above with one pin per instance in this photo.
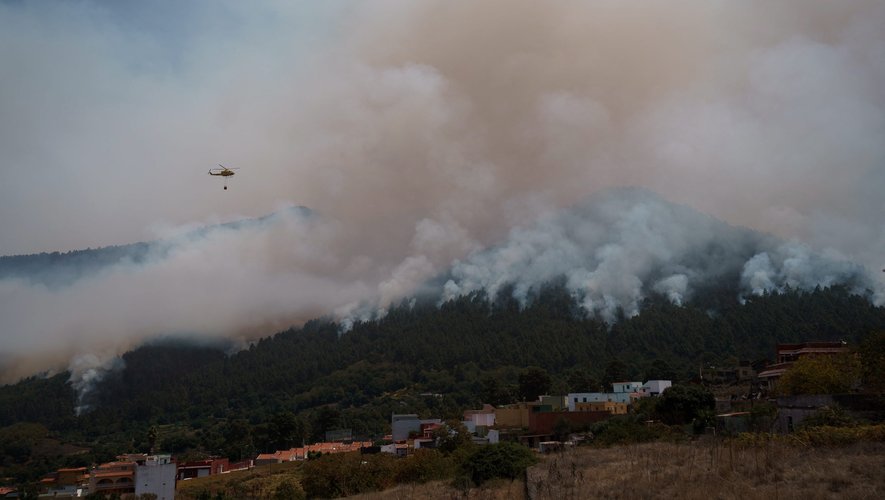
(419, 132)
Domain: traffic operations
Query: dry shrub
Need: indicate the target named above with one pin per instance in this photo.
(712, 469)
(815, 436)
(840, 436)
(761, 466)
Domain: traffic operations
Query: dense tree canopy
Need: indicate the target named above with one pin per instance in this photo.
(682, 404)
(505, 460)
(533, 382)
(432, 360)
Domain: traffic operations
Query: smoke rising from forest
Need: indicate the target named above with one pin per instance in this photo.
(622, 245)
(430, 138)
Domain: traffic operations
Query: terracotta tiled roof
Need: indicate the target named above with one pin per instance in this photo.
(325, 448)
(110, 474)
(117, 464)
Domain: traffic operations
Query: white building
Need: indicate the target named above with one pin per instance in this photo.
(622, 397)
(586, 397)
(493, 436)
(156, 474)
(480, 418)
(655, 387)
(620, 387)
(622, 392)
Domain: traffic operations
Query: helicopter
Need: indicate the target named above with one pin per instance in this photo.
(223, 172)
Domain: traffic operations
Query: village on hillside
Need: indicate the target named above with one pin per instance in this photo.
(550, 423)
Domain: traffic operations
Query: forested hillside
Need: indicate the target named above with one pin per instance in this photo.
(64, 268)
(422, 358)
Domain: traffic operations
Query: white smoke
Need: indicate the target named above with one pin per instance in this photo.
(623, 244)
(87, 370)
(426, 132)
(234, 281)
(794, 265)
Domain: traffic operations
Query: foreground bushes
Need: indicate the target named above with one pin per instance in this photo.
(347, 474)
(627, 430)
(502, 460)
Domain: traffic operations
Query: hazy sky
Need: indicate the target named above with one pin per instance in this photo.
(419, 131)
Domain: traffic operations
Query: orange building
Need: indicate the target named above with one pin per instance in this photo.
(787, 354)
(302, 453)
(66, 477)
(113, 477)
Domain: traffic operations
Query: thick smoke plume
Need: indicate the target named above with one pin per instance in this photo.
(424, 133)
(617, 248)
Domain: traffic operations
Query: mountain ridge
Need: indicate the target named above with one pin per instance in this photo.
(63, 268)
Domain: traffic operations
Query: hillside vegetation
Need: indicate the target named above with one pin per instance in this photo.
(432, 360)
(694, 470)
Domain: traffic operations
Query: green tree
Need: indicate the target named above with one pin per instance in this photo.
(503, 460)
(872, 359)
(18, 440)
(237, 439)
(622, 430)
(494, 391)
(533, 382)
(152, 435)
(326, 418)
(561, 429)
(660, 370)
(581, 380)
(683, 403)
(821, 375)
(645, 408)
(424, 465)
(615, 371)
(287, 430)
(451, 436)
(289, 490)
(345, 474)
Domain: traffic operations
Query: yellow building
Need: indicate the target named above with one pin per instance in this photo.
(514, 416)
(610, 406)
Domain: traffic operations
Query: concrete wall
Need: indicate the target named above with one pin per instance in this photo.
(158, 479)
(512, 417)
(656, 387)
(626, 386)
(544, 423)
